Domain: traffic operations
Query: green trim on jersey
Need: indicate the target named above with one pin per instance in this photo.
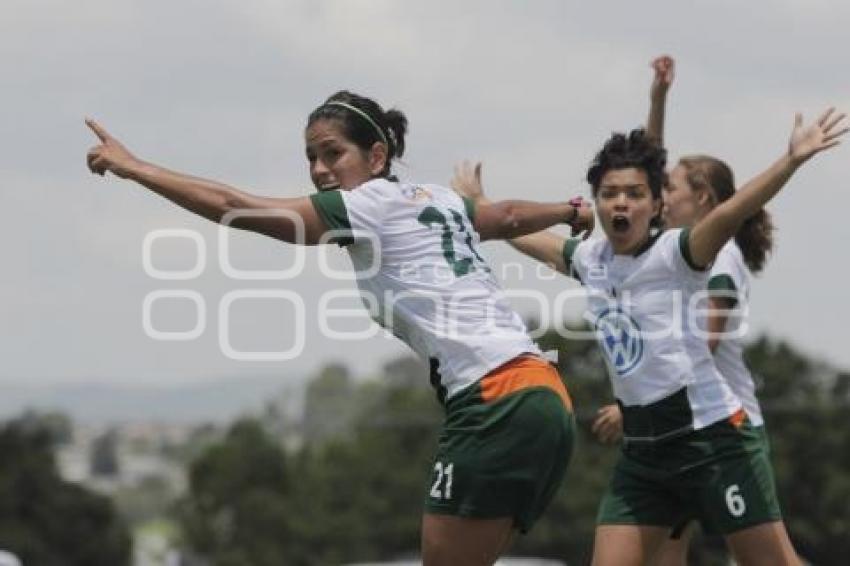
(724, 283)
(570, 246)
(469, 205)
(648, 243)
(330, 207)
(437, 380)
(685, 249)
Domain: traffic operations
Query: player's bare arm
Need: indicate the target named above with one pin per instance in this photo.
(296, 220)
(664, 68)
(543, 246)
(709, 235)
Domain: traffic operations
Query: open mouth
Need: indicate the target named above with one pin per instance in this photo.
(620, 224)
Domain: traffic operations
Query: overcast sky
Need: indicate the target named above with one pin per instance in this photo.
(222, 90)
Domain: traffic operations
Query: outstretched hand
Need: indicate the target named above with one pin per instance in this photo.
(825, 133)
(665, 71)
(467, 181)
(110, 155)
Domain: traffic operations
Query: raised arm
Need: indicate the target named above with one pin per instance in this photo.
(664, 68)
(490, 219)
(715, 229)
(289, 219)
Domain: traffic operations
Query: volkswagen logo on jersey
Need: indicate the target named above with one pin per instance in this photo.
(621, 340)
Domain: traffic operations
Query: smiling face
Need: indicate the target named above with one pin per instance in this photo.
(625, 206)
(336, 162)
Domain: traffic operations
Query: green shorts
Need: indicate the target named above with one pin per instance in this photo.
(720, 476)
(503, 454)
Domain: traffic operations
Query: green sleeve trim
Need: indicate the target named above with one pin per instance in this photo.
(724, 283)
(469, 205)
(685, 249)
(570, 246)
(331, 209)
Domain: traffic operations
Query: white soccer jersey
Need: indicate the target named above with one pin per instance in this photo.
(730, 273)
(414, 250)
(639, 308)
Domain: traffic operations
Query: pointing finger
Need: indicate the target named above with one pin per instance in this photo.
(98, 130)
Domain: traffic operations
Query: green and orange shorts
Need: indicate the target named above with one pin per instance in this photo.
(505, 445)
(719, 476)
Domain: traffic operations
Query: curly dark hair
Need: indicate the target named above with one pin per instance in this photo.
(638, 150)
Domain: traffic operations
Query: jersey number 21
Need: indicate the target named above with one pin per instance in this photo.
(431, 216)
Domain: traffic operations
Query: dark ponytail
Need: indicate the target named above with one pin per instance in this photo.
(387, 127)
(755, 236)
(396, 123)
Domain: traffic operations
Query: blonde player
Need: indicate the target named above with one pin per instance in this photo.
(689, 450)
(508, 431)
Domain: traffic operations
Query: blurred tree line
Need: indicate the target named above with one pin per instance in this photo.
(44, 520)
(354, 490)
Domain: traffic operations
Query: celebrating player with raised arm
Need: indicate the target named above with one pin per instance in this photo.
(695, 186)
(509, 425)
(689, 450)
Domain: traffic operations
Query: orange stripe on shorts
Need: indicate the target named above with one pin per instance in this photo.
(737, 418)
(521, 373)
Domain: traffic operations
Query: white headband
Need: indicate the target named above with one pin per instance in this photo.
(364, 115)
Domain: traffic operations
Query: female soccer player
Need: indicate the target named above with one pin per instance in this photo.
(695, 186)
(608, 425)
(689, 450)
(508, 430)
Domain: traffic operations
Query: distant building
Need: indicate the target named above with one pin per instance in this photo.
(140, 452)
